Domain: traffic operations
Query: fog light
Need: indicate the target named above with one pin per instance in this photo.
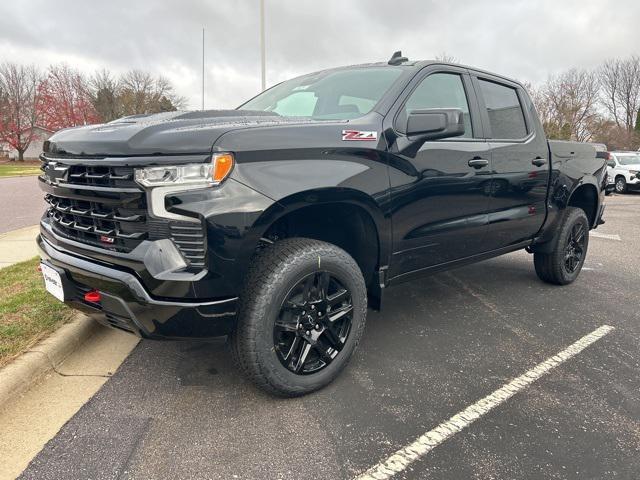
(92, 296)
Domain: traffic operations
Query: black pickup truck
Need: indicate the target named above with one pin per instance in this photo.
(280, 222)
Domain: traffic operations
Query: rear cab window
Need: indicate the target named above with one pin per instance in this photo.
(504, 110)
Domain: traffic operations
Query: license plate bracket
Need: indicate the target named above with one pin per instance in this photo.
(52, 281)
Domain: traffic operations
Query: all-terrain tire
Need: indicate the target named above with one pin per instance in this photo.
(551, 267)
(275, 271)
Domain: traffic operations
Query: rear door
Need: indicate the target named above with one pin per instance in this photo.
(438, 204)
(519, 159)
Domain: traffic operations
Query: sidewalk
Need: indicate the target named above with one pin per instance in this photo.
(18, 245)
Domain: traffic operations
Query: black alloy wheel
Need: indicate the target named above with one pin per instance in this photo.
(313, 324)
(559, 262)
(301, 316)
(575, 248)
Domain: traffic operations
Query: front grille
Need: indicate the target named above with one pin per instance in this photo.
(104, 207)
(120, 227)
(101, 206)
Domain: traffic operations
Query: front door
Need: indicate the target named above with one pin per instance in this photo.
(439, 197)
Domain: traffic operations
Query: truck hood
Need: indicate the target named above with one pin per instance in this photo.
(170, 133)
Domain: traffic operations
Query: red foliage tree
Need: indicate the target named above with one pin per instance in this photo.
(18, 100)
(64, 99)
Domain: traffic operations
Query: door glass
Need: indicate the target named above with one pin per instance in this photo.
(441, 90)
(505, 113)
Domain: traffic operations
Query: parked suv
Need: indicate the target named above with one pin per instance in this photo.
(624, 169)
(278, 223)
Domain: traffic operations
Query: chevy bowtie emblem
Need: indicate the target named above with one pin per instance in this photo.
(358, 135)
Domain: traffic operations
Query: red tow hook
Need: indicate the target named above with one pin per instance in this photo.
(92, 296)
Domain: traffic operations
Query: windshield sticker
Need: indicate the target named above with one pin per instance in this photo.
(359, 135)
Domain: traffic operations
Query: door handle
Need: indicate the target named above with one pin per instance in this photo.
(539, 161)
(478, 162)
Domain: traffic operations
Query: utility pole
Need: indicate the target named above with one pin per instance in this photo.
(262, 48)
(203, 69)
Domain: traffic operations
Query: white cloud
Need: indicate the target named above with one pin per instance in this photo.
(518, 38)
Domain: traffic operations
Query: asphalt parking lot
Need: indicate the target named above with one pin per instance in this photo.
(181, 410)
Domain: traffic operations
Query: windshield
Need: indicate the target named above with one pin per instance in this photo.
(628, 159)
(331, 95)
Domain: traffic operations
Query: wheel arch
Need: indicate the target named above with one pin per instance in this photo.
(347, 218)
(585, 196)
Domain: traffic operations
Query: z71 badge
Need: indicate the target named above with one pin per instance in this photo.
(358, 135)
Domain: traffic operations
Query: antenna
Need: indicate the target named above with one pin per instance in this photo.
(203, 68)
(262, 47)
(397, 58)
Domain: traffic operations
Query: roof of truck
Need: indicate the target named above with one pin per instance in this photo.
(419, 65)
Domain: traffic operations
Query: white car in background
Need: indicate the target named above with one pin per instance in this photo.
(624, 169)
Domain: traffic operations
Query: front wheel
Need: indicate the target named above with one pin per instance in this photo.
(621, 185)
(563, 264)
(301, 316)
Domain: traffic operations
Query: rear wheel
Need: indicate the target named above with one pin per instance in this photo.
(621, 184)
(301, 316)
(563, 264)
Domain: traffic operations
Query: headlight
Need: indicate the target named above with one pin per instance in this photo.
(206, 174)
(634, 172)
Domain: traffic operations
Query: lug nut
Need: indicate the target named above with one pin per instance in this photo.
(313, 307)
(303, 312)
(317, 326)
(308, 332)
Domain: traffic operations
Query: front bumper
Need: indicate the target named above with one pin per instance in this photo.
(126, 304)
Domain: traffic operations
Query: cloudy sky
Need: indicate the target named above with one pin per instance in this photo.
(525, 39)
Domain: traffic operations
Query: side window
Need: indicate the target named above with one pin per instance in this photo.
(441, 90)
(505, 112)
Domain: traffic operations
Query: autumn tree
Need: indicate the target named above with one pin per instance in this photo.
(18, 105)
(64, 99)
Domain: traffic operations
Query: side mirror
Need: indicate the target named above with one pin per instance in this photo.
(434, 124)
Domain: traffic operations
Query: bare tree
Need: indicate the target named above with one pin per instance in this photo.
(104, 95)
(568, 104)
(620, 90)
(629, 91)
(18, 105)
(142, 93)
(445, 57)
(609, 76)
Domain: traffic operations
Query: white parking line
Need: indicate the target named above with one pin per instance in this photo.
(608, 236)
(404, 457)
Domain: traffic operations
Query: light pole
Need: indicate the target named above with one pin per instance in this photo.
(262, 48)
(203, 69)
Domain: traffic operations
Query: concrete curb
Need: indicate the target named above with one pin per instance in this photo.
(17, 377)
